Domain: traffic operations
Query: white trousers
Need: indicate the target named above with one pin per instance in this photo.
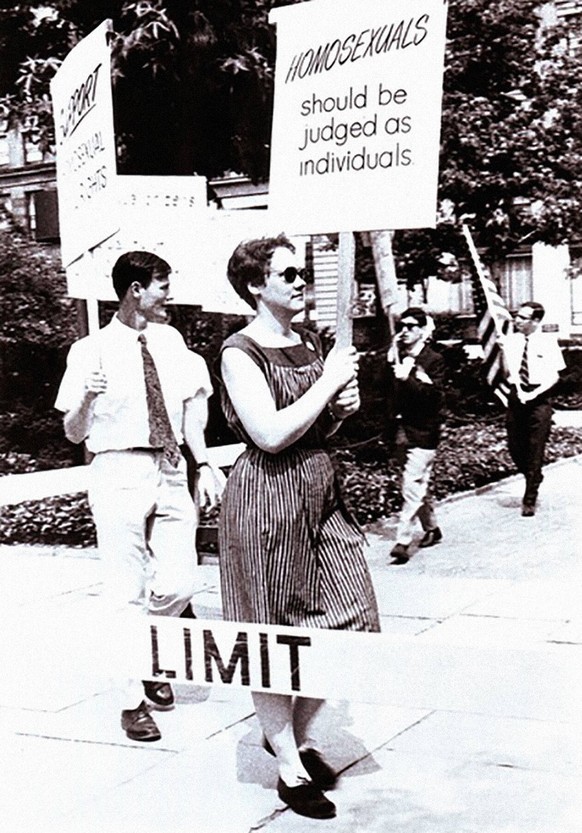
(417, 504)
(146, 525)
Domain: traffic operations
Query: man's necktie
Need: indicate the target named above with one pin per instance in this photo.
(161, 433)
(524, 366)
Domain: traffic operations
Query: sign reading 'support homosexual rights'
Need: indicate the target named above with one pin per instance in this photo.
(85, 142)
(356, 123)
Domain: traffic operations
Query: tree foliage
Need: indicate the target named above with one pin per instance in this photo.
(193, 79)
(196, 79)
(193, 90)
(511, 136)
(37, 323)
(34, 309)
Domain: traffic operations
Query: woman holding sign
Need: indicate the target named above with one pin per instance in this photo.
(290, 554)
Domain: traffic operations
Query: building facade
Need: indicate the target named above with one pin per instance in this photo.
(28, 188)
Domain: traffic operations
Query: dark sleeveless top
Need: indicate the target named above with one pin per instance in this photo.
(289, 372)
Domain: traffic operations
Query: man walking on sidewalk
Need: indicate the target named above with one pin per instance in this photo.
(419, 373)
(134, 393)
(534, 361)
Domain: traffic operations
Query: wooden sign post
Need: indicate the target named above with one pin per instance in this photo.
(385, 277)
(345, 289)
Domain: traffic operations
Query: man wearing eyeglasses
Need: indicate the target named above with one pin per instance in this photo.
(419, 373)
(534, 361)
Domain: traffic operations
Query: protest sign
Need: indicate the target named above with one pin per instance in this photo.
(169, 215)
(357, 114)
(85, 143)
(278, 659)
(424, 672)
(161, 214)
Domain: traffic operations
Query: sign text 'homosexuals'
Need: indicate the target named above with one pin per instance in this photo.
(357, 114)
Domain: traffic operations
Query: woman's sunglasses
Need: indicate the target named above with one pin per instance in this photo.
(291, 273)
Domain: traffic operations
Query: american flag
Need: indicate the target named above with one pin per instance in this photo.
(493, 321)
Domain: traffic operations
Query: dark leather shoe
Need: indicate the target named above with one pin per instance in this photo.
(528, 510)
(306, 800)
(400, 553)
(138, 724)
(160, 695)
(320, 772)
(431, 537)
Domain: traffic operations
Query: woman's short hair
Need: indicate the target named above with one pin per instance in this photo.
(250, 263)
(137, 266)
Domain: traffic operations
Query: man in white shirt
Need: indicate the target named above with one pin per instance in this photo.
(134, 393)
(534, 361)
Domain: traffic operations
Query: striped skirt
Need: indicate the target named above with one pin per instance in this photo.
(289, 552)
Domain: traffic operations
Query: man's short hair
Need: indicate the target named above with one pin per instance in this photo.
(417, 313)
(250, 263)
(137, 266)
(537, 310)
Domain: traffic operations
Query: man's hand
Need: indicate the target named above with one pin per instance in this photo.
(402, 369)
(77, 421)
(95, 383)
(211, 483)
(527, 396)
(423, 377)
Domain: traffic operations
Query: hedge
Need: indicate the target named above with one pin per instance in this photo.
(472, 453)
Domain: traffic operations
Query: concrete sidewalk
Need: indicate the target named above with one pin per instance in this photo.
(495, 750)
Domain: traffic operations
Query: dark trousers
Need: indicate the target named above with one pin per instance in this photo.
(528, 429)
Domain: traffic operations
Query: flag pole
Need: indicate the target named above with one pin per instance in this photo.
(481, 274)
(493, 321)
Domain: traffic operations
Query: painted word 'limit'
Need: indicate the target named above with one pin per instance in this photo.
(240, 657)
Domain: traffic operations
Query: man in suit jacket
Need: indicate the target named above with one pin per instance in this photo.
(419, 373)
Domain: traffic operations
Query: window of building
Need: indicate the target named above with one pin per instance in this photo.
(515, 280)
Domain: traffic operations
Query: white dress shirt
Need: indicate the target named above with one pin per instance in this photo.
(544, 356)
(120, 417)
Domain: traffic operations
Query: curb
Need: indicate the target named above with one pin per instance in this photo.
(379, 527)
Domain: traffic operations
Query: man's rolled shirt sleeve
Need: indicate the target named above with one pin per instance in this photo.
(196, 376)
